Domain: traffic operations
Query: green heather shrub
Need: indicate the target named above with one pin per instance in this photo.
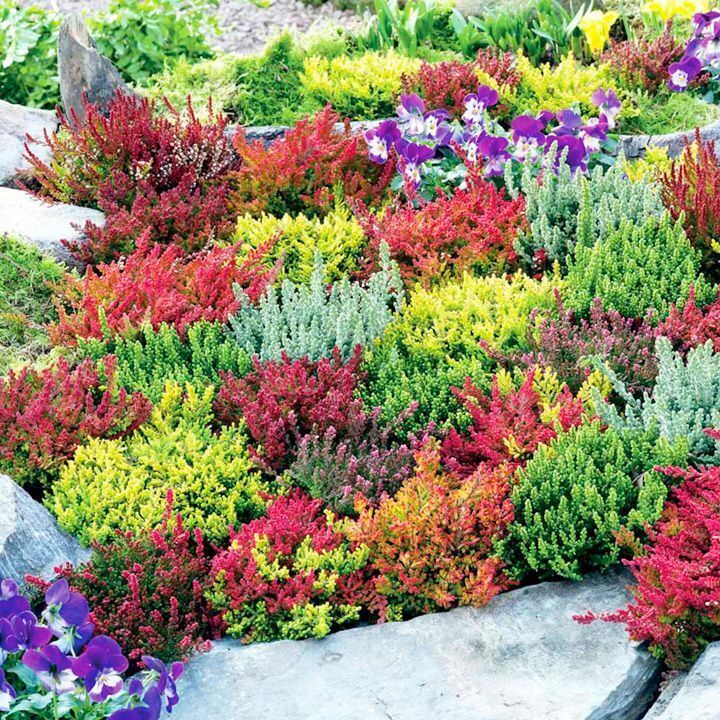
(148, 363)
(337, 236)
(301, 320)
(122, 485)
(553, 208)
(26, 304)
(636, 267)
(668, 112)
(684, 402)
(577, 492)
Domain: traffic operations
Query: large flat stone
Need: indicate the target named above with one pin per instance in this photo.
(694, 695)
(520, 658)
(30, 541)
(44, 225)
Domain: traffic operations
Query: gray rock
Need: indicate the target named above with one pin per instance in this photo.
(44, 225)
(520, 658)
(84, 71)
(694, 695)
(634, 146)
(30, 541)
(270, 133)
(16, 123)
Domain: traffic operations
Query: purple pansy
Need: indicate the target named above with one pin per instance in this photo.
(67, 616)
(477, 103)
(412, 156)
(22, 632)
(527, 136)
(381, 139)
(411, 111)
(570, 122)
(593, 134)
(52, 669)
(144, 704)
(101, 666)
(11, 602)
(495, 154)
(570, 149)
(545, 117)
(436, 126)
(609, 105)
(683, 73)
(167, 676)
(7, 693)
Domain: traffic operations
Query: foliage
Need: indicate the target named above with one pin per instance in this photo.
(337, 237)
(291, 574)
(283, 400)
(154, 286)
(306, 170)
(311, 320)
(684, 402)
(576, 493)
(692, 325)
(27, 282)
(430, 546)
(45, 414)
(111, 485)
(661, 113)
(651, 166)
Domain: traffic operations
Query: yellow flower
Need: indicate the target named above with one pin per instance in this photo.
(596, 27)
(668, 9)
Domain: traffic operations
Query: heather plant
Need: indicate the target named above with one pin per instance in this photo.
(634, 268)
(283, 400)
(45, 414)
(691, 325)
(147, 363)
(310, 321)
(291, 574)
(431, 546)
(111, 485)
(684, 402)
(663, 113)
(577, 492)
(27, 280)
(556, 203)
(337, 237)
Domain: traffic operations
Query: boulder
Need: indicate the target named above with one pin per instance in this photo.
(522, 657)
(634, 146)
(694, 695)
(30, 541)
(44, 225)
(84, 72)
(16, 123)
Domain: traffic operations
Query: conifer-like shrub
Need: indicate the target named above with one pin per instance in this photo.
(145, 364)
(473, 230)
(111, 485)
(576, 493)
(158, 285)
(307, 170)
(555, 203)
(283, 400)
(431, 546)
(45, 414)
(299, 320)
(636, 267)
(147, 590)
(337, 237)
(290, 574)
(684, 402)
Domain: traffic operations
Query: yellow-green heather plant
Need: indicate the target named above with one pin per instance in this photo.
(122, 485)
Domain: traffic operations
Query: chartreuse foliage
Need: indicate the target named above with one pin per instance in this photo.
(148, 363)
(684, 402)
(337, 236)
(114, 485)
(634, 268)
(577, 492)
(310, 320)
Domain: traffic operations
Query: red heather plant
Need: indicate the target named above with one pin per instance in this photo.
(147, 592)
(692, 326)
(431, 546)
(473, 230)
(144, 170)
(46, 414)
(306, 169)
(507, 427)
(158, 284)
(281, 401)
(676, 606)
(291, 574)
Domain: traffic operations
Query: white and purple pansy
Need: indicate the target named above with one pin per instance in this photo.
(528, 137)
(411, 112)
(494, 151)
(381, 139)
(476, 104)
(7, 693)
(436, 126)
(609, 105)
(52, 667)
(594, 133)
(683, 73)
(570, 122)
(101, 666)
(412, 157)
(569, 148)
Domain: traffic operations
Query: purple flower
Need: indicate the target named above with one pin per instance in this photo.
(470, 142)
(67, 615)
(594, 134)
(570, 122)
(545, 117)
(7, 693)
(52, 669)
(166, 678)
(494, 152)
(412, 156)
(570, 149)
(683, 73)
(477, 103)
(411, 110)
(608, 104)
(144, 704)
(527, 137)
(381, 139)
(101, 667)
(11, 602)
(22, 632)
(704, 24)
(436, 126)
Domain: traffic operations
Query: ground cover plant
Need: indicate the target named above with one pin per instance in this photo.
(358, 374)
